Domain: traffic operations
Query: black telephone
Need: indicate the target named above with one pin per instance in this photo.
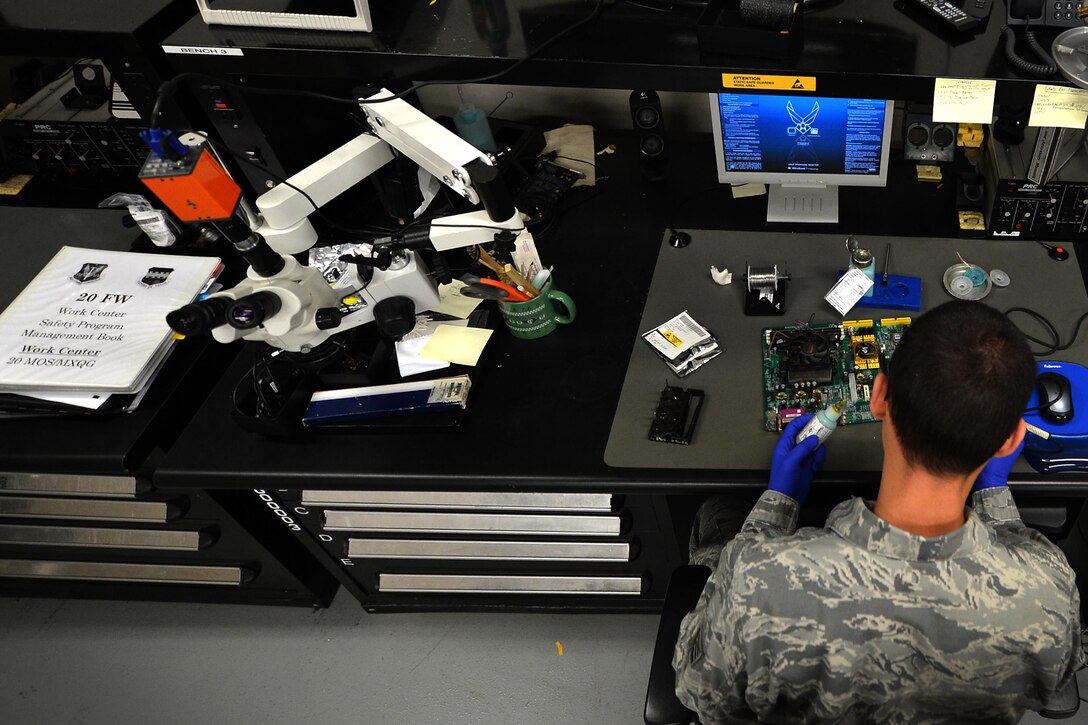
(1045, 13)
(1033, 14)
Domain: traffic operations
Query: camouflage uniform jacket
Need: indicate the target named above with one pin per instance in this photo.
(860, 622)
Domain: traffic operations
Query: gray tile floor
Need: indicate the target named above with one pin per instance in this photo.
(90, 663)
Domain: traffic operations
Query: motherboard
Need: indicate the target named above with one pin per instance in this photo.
(808, 367)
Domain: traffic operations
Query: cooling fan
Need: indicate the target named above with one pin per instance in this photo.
(808, 358)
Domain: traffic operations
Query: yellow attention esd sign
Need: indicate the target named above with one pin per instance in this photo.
(769, 83)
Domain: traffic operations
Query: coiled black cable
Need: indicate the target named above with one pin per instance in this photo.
(1039, 70)
(1054, 344)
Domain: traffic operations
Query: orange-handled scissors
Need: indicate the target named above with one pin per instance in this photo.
(487, 288)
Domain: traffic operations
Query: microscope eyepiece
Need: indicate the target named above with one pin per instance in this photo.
(199, 318)
(252, 310)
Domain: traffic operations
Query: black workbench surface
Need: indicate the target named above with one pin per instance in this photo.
(109, 444)
(867, 48)
(540, 413)
(730, 433)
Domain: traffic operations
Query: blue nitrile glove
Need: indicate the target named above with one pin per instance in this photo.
(793, 464)
(996, 471)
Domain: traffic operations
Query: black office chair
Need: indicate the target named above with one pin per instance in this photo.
(685, 586)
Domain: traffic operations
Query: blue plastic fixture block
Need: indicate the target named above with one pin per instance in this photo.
(901, 293)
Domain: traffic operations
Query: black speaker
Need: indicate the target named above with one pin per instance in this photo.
(924, 140)
(650, 124)
(1008, 128)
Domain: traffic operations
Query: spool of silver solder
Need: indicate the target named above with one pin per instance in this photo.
(762, 278)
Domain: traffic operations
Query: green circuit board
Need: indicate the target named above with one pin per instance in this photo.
(808, 367)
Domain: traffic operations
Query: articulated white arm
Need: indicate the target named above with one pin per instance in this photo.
(436, 150)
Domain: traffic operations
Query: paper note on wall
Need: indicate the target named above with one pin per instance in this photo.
(958, 100)
(1059, 107)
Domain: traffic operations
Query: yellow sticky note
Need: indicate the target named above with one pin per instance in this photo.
(958, 100)
(741, 191)
(453, 303)
(459, 345)
(1059, 107)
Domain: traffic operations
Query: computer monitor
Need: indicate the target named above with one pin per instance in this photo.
(312, 14)
(804, 147)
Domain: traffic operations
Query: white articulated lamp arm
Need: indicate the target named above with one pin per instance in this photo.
(458, 164)
(437, 150)
(285, 210)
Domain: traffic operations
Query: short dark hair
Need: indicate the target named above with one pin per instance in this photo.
(958, 383)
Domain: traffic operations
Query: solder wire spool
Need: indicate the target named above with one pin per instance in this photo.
(763, 279)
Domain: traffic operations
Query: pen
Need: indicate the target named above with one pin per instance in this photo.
(887, 263)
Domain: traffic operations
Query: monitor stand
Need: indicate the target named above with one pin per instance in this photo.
(802, 203)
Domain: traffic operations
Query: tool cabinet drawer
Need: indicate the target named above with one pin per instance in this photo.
(121, 537)
(483, 550)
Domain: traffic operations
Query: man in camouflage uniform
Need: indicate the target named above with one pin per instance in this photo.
(907, 609)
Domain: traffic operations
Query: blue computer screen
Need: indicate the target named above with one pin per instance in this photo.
(801, 134)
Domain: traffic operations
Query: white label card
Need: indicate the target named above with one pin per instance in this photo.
(848, 290)
(200, 50)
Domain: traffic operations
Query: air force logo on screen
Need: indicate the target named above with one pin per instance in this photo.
(802, 125)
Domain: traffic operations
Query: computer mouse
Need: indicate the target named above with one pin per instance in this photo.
(1055, 398)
